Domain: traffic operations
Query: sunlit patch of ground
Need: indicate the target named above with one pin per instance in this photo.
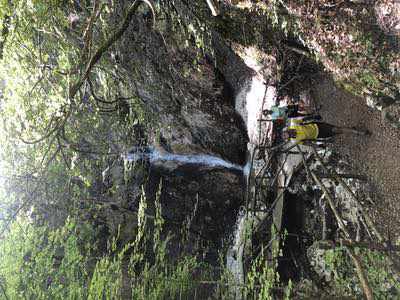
(377, 156)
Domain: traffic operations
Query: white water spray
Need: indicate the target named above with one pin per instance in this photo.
(163, 158)
(234, 261)
(252, 99)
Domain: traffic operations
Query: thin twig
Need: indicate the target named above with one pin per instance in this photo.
(111, 40)
(331, 204)
(360, 273)
(357, 263)
(345, 175)
(288, 82)
(300, 51)
(328, 244)
(279, 170)
(305, 163)
(350, 192)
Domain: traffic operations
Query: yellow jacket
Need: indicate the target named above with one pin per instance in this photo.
(303, 131)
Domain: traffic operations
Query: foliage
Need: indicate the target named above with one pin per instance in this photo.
(261, 279)
(348, 44)
(56, 148)
(64, 263)
(384, 283)
(343, 36)
(40, 263)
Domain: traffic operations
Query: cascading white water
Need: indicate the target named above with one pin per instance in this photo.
(163, 158)
(255, 96)
(235, 253)
(158, 157)
(247, 169)
(249, 103)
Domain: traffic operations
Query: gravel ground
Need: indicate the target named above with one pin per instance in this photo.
(376, 156)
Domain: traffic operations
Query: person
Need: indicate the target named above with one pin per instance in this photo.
(299, 131)
(280, 114)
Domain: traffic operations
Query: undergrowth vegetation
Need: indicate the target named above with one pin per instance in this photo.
(64, 263)
(75, 221)
(37, 262)
(383, 280)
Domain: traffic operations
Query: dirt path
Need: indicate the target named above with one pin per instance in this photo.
(377, 156)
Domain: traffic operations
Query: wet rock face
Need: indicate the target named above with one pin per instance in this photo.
(185, 98)
(212, 128)
(201, 205)
(192, 107)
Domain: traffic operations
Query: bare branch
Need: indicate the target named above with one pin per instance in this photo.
(103, 48)
(331, 204)
(350, 192)
(97, 98)
(356, 261)
(361, 274)
(42, 138)
(328, 244)
(87, 35)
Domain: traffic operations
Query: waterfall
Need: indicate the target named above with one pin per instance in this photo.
(163, 159)
(234, 256)
(250, 101)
